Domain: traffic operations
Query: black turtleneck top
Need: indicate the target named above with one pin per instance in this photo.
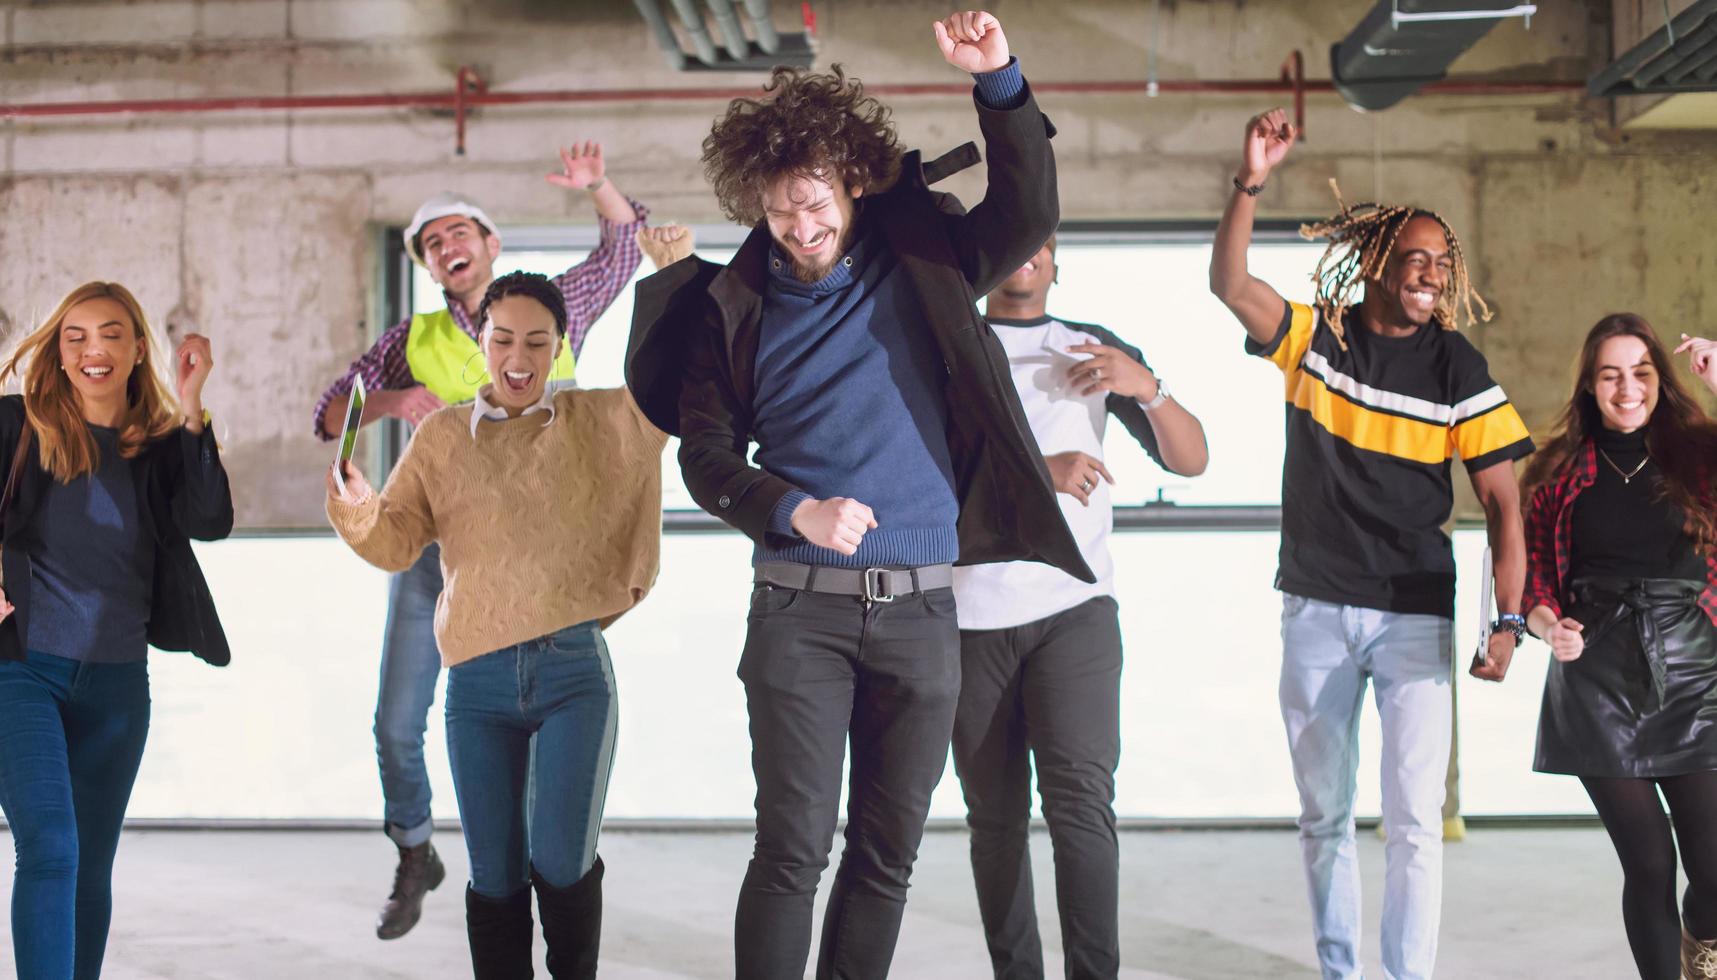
(1627, 528)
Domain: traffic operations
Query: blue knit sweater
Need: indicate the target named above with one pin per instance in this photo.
(850, 398)
(850, 404)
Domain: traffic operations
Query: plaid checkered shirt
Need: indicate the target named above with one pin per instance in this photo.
(1549, 537)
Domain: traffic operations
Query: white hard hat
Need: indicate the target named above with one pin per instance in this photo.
(443, 205)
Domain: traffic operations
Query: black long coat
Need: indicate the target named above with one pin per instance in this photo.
(695, 331)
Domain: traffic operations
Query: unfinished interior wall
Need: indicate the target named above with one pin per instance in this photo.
(259, 228)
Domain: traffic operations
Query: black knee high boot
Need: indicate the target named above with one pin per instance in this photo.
(500, 931)
(572, 923)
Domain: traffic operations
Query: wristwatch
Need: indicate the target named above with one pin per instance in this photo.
(1162, 396)
(1511, 623)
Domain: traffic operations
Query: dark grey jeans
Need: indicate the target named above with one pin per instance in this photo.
(820, 670)
(1051, 688)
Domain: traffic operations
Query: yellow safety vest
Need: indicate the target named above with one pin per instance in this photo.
(444, 358)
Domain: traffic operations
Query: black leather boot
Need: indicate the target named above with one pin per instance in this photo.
(500, 931)
(572, 923)
(417, 874)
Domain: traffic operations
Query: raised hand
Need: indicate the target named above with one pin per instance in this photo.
(358, 489)
(581, 167)
(972, 41)
(1269, 137)
(1076, 474)
(666, 244)
(194, 360)
(1702, 358)
(838, 523)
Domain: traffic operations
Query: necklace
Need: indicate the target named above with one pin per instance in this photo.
(1626, 475)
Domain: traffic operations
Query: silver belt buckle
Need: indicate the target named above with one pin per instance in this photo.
(873, 586)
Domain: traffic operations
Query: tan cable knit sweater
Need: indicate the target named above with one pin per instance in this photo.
(540, 526)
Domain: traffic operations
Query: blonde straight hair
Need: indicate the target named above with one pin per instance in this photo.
(67, 448)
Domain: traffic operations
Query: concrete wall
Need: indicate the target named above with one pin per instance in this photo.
(259, 228)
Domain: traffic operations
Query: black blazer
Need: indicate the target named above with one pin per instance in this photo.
(183, 490)
(695, 331)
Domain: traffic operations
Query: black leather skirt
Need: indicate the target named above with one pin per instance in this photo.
(1641, 700)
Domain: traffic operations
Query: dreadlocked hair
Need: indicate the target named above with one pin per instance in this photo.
(1361, 237)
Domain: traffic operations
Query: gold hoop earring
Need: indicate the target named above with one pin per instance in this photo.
(463, 368)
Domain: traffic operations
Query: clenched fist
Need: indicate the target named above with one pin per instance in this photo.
(972, 41)
(838, 523)
(665, 245)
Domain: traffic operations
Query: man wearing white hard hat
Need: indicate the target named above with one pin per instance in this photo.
(421, 364)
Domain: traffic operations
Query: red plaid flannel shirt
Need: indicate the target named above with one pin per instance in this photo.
(1549, 538)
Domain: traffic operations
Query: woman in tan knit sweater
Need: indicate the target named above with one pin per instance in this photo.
(548, 509)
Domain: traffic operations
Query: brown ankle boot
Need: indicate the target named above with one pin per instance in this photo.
(1698, 957)
(419, 871)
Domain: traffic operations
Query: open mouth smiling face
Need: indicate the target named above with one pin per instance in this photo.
(519, 345)
(98, 348)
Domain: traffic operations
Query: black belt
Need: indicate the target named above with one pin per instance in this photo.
(874, 584)
(1639, 601)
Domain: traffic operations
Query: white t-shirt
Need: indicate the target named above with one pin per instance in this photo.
(1012, 593)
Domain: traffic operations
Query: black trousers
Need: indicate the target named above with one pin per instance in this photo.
(821, 671)
(1051, 688)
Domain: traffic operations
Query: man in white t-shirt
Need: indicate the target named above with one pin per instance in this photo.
(1041, 650)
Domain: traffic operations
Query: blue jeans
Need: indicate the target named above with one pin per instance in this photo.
(1329, 654)
(71, 738)
(530, 732)
(411, 664)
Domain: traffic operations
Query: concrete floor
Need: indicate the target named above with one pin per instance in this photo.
(202, 905)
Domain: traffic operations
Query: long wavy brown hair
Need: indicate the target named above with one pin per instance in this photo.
(51, 404)
(807, 123)
(1679, 435)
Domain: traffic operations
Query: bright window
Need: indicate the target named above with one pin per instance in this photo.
(1147, 287)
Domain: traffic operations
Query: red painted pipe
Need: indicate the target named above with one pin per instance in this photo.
(479, 96)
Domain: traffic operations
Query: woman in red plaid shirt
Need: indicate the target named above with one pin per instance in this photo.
(1621, 533)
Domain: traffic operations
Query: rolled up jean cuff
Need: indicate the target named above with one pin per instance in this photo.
(410, 836)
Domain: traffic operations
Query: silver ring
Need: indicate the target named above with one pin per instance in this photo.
(1086, 485)
(1096, 374)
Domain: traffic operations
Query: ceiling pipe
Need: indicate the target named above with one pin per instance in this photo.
(469, 93)
(692, 19)
(651, 11)
(757, 11)
(728, 22)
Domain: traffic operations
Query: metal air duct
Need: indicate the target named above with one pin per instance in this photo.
(1402, 45)
(1681, 56)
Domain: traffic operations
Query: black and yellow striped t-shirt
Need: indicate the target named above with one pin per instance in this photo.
(1365, 474)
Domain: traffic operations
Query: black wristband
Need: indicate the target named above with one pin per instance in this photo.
(1510, 623)
(1250, 190)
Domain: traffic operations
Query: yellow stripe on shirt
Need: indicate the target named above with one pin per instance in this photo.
(1293, 347)
(1378, 432)
(1491, 431)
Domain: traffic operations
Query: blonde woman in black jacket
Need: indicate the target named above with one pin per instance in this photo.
(108, 480)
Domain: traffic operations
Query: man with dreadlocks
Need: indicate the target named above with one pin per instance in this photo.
(1381, 394)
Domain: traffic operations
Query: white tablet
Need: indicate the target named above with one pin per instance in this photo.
(349, 432)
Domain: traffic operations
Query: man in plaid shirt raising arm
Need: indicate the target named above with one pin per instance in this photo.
(419, 365)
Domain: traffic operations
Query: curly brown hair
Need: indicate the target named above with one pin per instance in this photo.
(806, 123)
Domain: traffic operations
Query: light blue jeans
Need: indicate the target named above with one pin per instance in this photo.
(1330, 653)
(530, 732)
(411, 664)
